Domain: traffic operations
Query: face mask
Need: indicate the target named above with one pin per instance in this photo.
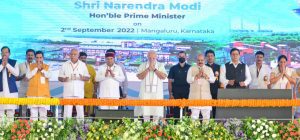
(181, 60)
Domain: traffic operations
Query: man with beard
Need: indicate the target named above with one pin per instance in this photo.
(260, 73)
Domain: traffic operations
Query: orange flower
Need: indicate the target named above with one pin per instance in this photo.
(154, 128)
(15, 126)
(18, 132)
(160, 133)
(13, 130)
(289, 138)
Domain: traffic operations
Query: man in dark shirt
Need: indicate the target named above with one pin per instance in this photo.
(235, 74)
(177, 84)
(210, 58)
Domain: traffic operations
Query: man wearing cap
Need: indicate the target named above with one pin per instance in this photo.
(123, 85)
(109, 75)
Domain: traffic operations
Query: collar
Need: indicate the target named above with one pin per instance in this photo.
(111, 66)
(232, 62)
(74, 63)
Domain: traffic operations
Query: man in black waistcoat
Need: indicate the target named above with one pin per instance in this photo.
(210, 58)
(235, 74)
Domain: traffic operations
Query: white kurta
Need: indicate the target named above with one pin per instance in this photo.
(109, 86)
(261, 80)
(151, 111)
(5, 93)
(23, 67)
(73, 88)
(282, 82)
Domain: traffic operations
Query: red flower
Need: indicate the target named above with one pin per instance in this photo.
(296, 122)
(146, 138)
(13, 130)
(19, 132)
(22, 124)
(160, 133)
(31, 121)
(289, 138)
(15, 126)
(154, 128)
(27, 132)
(13, 137)
(154, 135)
(22, 130)
(280, 132)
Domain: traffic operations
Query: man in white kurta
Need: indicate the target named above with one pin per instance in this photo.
(109, 75)
(23, 68)
(260, 73)
(200, 77)
(9, 70)
(152, 74)
(73, 74)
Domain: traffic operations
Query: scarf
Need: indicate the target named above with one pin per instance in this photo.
(151, 80)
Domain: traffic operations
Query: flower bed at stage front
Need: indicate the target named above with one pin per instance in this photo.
(133, 129)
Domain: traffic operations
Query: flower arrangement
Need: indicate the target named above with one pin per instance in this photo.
(260, 129)
(134, 129)
(290, 130)
(20, 129)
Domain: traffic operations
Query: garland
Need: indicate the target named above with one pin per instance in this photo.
(131, 102)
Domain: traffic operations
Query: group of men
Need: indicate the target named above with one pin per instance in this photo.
(80, 80)
(203, 80)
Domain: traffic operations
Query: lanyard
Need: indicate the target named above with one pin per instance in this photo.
(73, 68)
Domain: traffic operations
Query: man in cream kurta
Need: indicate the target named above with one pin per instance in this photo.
(109, 75)
(260, 73)
(73, 74)
(200, 77)
(152, 74)
(23, 68)
(9, 70)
